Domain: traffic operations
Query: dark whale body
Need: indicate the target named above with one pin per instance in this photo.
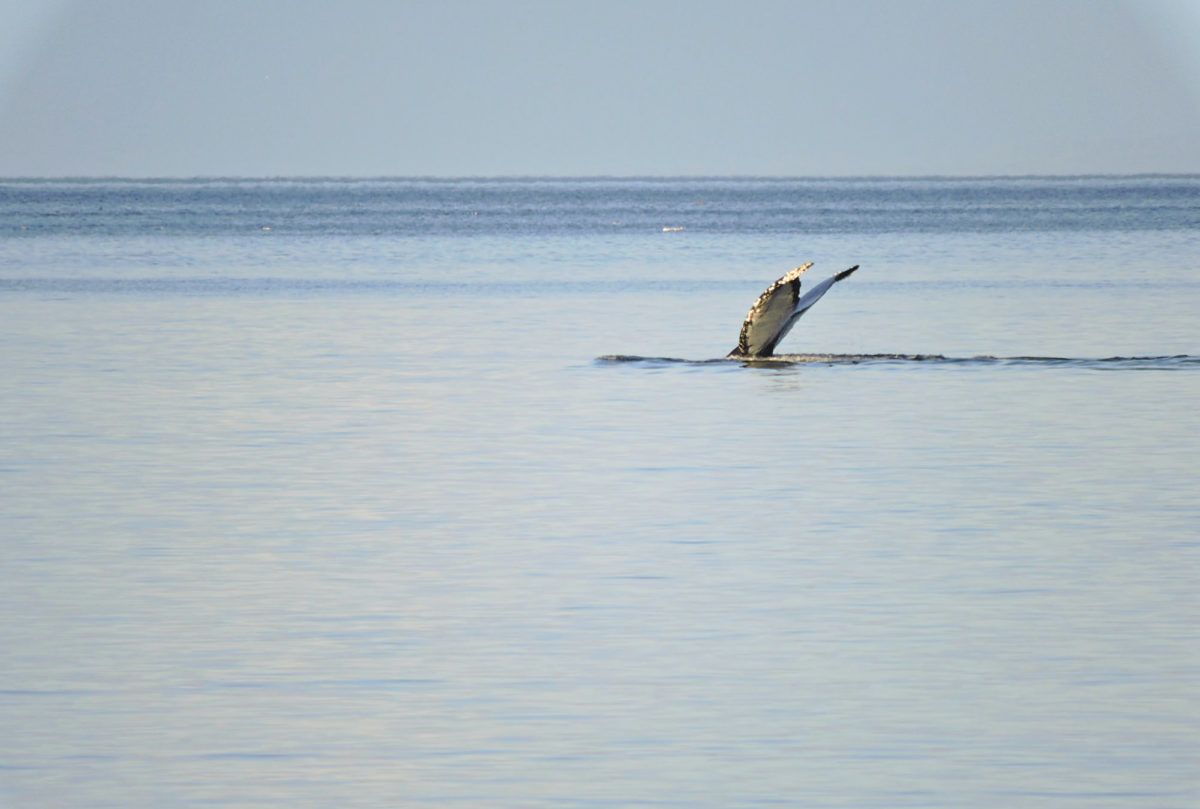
(781, 305)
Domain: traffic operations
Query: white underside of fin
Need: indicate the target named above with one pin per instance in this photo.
(777, 310)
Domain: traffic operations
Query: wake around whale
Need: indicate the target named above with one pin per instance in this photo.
(781, 305)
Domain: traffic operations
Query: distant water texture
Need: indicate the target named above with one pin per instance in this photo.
(388, 493)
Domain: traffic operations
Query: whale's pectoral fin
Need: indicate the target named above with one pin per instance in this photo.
(777, 310)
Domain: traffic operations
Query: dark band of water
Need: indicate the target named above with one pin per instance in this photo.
(1164, 363)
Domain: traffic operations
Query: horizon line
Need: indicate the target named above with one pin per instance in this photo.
(449, 178)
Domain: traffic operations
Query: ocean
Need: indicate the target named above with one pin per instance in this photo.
(427, 492)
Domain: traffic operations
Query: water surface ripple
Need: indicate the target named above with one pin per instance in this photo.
(314, 493)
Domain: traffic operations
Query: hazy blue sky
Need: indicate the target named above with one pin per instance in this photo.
(467, 87)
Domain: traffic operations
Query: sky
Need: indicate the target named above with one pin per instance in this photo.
(263, 88)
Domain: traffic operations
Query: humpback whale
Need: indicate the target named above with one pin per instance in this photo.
(781, 305)
(777, 310)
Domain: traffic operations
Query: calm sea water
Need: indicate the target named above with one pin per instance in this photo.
(315, 493)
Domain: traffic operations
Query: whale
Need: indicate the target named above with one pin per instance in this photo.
(776, 311)
(780, 305)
